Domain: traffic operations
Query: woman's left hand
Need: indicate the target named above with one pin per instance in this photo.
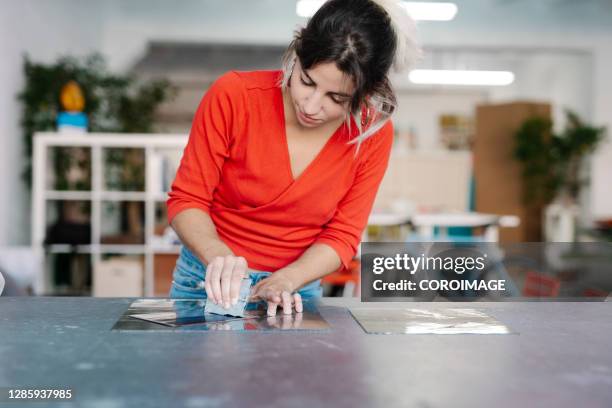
(277, 290)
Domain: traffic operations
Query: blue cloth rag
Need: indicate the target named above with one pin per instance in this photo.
(236, 310)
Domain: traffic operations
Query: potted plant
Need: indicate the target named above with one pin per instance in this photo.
(112, 103)
(551, 169)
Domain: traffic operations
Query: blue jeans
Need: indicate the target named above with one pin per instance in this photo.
(189, 273)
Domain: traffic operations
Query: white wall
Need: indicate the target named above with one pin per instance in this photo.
(556, 76)
(601, 175)
(420, 111)
(44, 30)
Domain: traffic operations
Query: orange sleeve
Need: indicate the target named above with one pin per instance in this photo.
(343, 231)
(219, 115)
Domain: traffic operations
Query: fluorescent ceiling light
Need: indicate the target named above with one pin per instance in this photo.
(419, 10)
(458, 77)
(307, 8)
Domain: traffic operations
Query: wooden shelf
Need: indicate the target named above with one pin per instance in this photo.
(112, 249)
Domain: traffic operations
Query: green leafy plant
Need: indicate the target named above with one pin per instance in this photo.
(551, 162)
(113, 103)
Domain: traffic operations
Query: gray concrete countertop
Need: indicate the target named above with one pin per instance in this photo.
(561, 357)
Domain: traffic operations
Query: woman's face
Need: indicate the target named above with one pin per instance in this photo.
(320, 95)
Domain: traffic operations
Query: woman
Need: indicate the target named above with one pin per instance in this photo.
(282, 167)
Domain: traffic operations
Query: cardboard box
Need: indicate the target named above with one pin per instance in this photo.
(118, 277)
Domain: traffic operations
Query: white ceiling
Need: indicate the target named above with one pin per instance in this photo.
(590, 15)
(555, 15)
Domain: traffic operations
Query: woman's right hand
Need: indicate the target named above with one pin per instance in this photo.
(223, 279)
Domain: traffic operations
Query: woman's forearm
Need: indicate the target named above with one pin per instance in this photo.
(317, 261)
(197, 232)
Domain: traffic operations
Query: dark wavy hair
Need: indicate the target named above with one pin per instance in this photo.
(364, 38)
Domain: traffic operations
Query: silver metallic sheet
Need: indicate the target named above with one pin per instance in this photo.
(422, 321)
(189, 315)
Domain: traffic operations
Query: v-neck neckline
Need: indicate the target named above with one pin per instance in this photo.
(286, 144)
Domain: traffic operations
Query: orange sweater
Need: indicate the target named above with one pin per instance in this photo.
(236, 168)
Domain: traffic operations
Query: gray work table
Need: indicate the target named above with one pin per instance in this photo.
(562, 356)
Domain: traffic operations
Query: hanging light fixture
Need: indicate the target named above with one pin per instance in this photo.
(418, 10)
(461, 77)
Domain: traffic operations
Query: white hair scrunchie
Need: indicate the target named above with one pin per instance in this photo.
(408, 51)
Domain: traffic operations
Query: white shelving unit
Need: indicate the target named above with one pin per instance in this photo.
(151, 144)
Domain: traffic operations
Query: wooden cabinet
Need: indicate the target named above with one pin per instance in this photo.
(499, 186)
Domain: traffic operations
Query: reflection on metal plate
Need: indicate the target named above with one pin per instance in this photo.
(422, 321)
(189, 315)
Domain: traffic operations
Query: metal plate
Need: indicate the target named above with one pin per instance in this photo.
(188, 315)
(423, 321)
